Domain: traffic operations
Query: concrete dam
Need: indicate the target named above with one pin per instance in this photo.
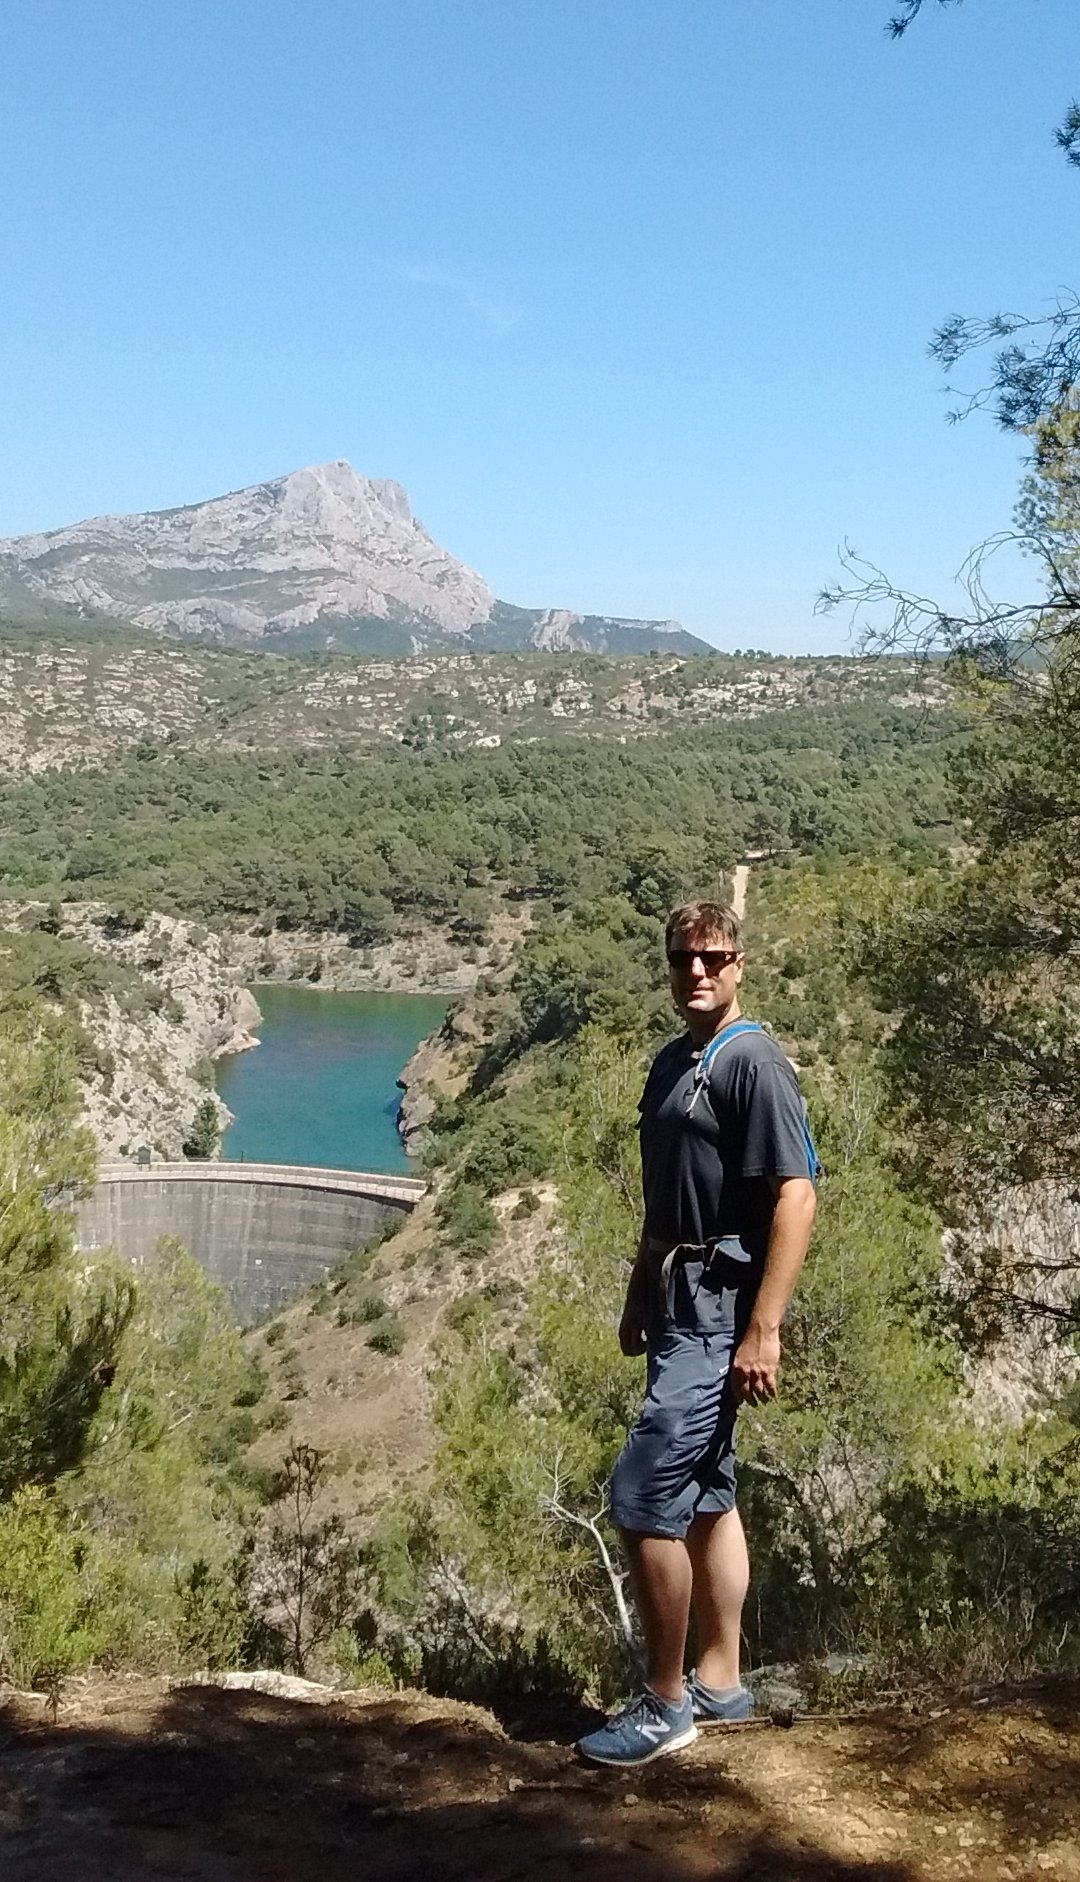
(263, 1231)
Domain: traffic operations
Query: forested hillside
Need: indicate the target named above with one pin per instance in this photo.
(354, 840)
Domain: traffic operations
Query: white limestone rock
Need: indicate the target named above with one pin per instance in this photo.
(324, 554)
(324, 541)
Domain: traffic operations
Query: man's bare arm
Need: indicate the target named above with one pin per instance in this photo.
(632, 1323)
(755, 1365)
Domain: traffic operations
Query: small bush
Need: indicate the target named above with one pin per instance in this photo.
(467, 1218)
(365, 1310)
(204, 1135)
(212, 1621)
(293, 1382)
(45, 1624)
(476, 1307)
(371, 1307)
(388, 1336)
(505, 1150)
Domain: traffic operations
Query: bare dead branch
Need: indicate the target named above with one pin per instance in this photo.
(556, 1510)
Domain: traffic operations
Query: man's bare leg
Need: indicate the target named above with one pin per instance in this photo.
(662, 1577)
(716, 1549)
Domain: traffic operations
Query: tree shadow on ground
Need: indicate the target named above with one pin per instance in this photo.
(205, 1785)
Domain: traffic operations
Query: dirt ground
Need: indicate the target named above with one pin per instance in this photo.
(137, 1781)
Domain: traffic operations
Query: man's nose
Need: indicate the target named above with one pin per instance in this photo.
(698, 969)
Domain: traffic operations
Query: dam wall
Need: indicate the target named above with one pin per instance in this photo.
(263, 1232)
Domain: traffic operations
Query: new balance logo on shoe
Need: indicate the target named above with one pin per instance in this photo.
(649, 1727)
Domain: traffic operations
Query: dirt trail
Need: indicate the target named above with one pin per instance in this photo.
(135, 1782)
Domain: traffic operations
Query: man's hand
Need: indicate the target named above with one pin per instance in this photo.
(631, 1332)
(632, 1341)
(755, 1365)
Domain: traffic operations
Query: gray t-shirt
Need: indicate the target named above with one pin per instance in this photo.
(705, 1165)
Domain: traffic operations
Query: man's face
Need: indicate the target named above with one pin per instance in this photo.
(705, 974)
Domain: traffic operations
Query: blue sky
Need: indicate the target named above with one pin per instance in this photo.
(632, 295)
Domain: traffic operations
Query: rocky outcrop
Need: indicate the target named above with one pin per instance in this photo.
(422, 957)
(559, 630)
(437, 1069)
(153, 1060)
(323, 556)
(418, 1099)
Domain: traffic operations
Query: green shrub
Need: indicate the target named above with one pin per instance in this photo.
(467, 1218)
(364, 1310)
(506, 1150)
(204, 1135)
(388, 1336)
(475, 1307)
(371, 1307)
(46, 1607)
(212, 1620)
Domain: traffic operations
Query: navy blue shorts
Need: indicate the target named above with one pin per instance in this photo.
(679, 1461)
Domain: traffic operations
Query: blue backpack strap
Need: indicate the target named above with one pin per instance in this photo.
(815, 1171)
(701, 1070)
(737, 1028)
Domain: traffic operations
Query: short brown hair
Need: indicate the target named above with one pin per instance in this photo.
(705, 921)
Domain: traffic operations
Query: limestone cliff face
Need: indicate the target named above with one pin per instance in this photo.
(321, 557)
(149, 1087)
(324, 541)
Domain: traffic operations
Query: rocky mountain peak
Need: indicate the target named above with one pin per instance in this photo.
(323, 556)
(337, 500)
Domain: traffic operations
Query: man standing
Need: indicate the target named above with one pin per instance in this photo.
(728, 1169)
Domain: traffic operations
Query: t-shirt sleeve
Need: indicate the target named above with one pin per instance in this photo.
(776, 1141)
(654, 1072)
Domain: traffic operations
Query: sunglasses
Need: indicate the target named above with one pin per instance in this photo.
(712, 959)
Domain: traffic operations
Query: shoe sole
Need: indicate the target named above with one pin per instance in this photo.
(678, 1743)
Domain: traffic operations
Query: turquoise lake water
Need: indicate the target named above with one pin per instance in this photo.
(320, 1087)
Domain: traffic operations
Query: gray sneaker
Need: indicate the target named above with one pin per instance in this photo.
(719, 1708)
(649, 1727)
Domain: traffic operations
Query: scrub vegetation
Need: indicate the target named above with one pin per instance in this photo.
(896, 1517)
(912, 1498)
